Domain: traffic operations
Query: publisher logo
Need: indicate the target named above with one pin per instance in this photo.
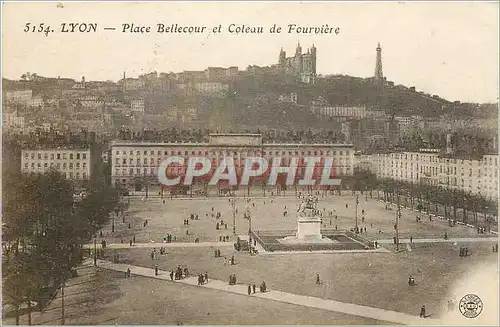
(471, 306)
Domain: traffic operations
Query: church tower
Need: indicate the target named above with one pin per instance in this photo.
(313, 58)
(379, 75)
(282, 59)
(124, 86)
(298, 50)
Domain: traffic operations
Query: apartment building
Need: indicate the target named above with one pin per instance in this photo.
(74, 164)
(133, 160)
(428, 166)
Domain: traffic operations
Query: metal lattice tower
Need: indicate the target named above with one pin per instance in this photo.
(379, 75)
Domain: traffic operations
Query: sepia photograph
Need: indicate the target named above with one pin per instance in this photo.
(250, 163)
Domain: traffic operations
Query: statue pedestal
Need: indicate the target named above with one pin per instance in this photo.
(308, 228)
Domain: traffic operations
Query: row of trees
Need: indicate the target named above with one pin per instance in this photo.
(456, 204)
(44, 230)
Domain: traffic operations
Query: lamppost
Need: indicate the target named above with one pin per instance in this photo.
(63, 317)
(248, 215)
(356, 216)
(95, 248)
(233, 204)
(396, 226)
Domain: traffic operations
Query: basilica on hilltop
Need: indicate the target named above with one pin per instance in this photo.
(301, 65)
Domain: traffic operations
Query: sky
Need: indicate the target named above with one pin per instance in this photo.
(449, 49)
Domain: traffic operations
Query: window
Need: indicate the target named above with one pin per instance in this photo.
(84, 175)
(58, 156)
(84, 165)
(165, 153)
(70, 165)
(124, 161)
(52, 156)
(26, 155)
(130, 152)
(32, 165)
(45, 156)
(145, 161)
(152, 153)
(70, 174)
(117, 161)
(71, 156)
(33, 156)
(64, 156)
(39, 156)
(26, 165)
(117, 152)
(78, 156)
(145, 152)
(45, 165)
(77, 165)
(39, 165)
(64, 165)
(131, 161)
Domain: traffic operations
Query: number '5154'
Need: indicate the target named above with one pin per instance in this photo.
(37, 28)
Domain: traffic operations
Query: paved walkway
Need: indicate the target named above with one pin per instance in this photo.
(303, 300)
(442, 240)
(157, 245)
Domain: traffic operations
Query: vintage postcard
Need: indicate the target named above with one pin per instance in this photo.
(250, 163)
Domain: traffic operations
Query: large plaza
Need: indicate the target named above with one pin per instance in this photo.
(367, 279)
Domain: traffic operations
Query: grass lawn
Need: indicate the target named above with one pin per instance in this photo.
(373, 279)
(103, 297)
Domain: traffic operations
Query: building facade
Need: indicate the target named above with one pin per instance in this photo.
(429, 167)
(131, 161)
(137, 105)
(74, 164)
(340, 111)
(18, 97)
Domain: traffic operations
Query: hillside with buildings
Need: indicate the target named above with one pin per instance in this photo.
(287, 96)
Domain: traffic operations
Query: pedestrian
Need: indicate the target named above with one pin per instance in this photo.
(133, 239)
(156, 270)
(128, 225)
(128, 272)
(232, 260)
(205, 277)
(422, 312)
(318, 281)
(253, 287)
(411, 239)
(249, 289)
(130, 242)
(172, 275)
